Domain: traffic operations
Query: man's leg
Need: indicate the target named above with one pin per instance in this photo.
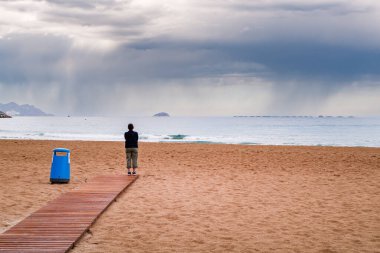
(129, 157)
(134, 160)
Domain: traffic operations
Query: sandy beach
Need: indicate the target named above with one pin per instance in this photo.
(210, 198)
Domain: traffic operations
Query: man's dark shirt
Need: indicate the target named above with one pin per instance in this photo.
(131, 138)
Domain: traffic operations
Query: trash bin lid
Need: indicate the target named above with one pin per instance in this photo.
(62, 150)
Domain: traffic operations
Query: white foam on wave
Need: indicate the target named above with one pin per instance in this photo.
(247, 131)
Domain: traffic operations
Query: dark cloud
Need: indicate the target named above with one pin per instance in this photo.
(310, 60)
(292, 64)
(290, 6)
(335, 8)
(47, 59)
(29, 58)
(75, 4)
(83, 4)
(97, 19)
(273, 59)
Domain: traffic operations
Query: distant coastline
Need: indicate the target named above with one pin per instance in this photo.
(290, 116)
(14, 109)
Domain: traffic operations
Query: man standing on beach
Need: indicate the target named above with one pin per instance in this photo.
(131, 148)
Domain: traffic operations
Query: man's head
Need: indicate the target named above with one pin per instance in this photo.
(130, 126)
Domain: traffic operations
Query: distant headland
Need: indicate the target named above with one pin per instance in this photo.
(4, 115)
(13, 109)
(161, 114)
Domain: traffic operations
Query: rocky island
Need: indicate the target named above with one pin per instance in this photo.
(161, 114)
(4, 115)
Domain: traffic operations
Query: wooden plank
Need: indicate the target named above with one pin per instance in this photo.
(57, 226)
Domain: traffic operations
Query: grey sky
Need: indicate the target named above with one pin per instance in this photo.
(194, 57)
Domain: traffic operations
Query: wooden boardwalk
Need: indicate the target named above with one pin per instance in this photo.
(61, 223)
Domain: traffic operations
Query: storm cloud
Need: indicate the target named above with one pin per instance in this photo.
(199, 58)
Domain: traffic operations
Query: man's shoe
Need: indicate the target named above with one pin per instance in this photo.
(134, 173)
(129, 173)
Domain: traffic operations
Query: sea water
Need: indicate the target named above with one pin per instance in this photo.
(325, 131)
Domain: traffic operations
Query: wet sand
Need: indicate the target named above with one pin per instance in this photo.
(210, 198)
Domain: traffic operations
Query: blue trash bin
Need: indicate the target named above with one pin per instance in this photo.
(60, 167)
